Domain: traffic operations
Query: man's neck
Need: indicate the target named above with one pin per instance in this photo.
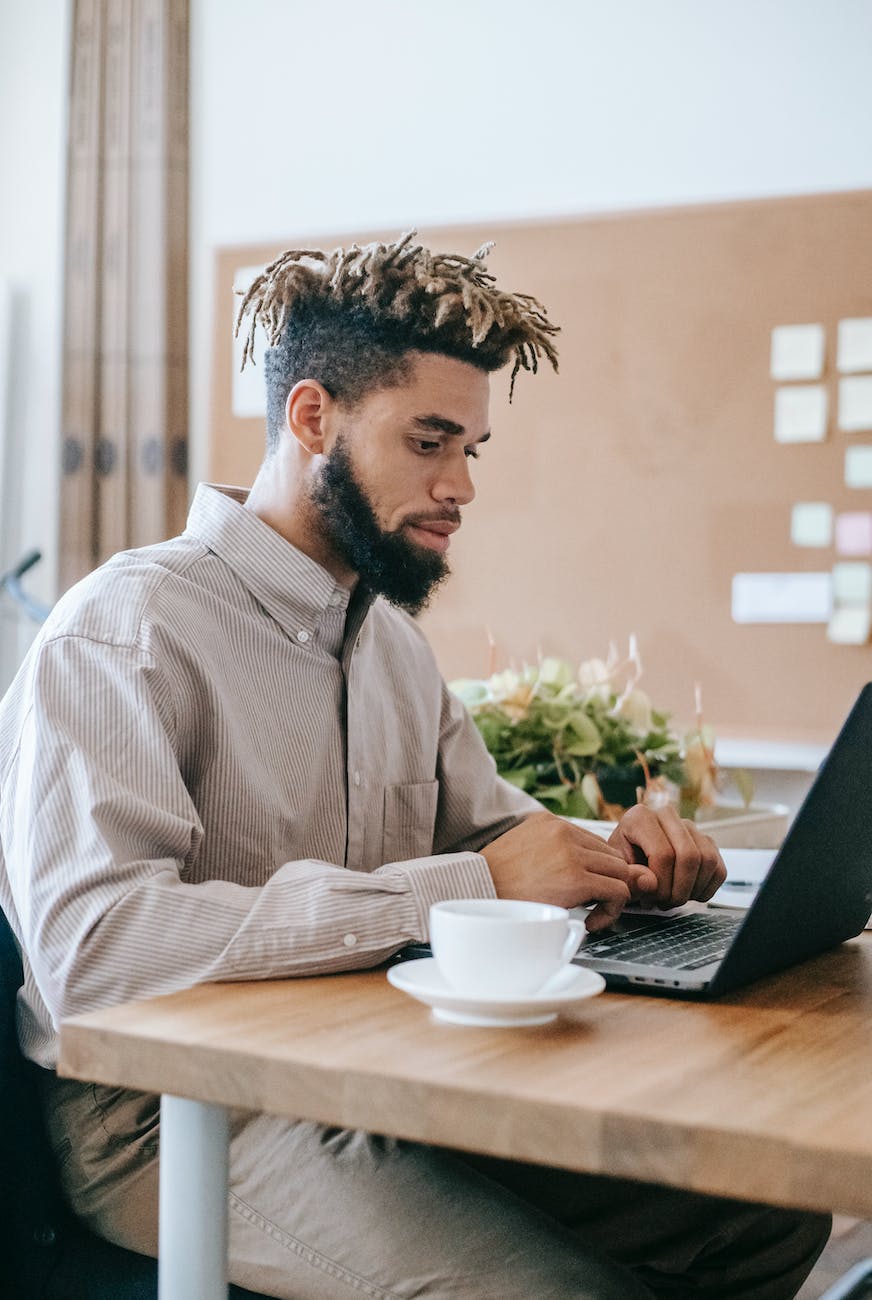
(278, 496)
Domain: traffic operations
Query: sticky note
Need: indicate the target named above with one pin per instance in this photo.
(782, 597)
(850, 625)
(852, 584)
(854, 533)
(811, 523)
(858, 466)
(855, 344)
(855, 403)
(801, 413)
(797, 352)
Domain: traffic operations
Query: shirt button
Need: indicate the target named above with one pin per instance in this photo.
(357, 778)
(350, 940)
(302, 635)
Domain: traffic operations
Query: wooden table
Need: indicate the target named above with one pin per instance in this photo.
(764, 1095)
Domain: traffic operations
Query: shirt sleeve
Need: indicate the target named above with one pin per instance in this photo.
(476, 804)
(99, 831)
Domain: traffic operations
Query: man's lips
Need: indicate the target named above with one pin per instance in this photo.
(434, 534)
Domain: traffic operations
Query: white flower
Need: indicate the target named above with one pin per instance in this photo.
(595, 679)
(635, 708)
(470, 691)
(512, 691)
(555, 672)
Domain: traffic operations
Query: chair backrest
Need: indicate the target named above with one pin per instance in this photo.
(30, 1203)
(46, 1254)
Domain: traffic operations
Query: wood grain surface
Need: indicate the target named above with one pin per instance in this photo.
(765, 1094)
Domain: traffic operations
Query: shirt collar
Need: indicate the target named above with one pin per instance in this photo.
(292, 587)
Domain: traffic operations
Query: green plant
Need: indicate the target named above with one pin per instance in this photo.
(583, 743)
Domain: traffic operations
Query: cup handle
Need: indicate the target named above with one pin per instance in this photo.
(573, 940)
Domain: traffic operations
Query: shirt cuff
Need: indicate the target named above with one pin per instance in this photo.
(449, 875)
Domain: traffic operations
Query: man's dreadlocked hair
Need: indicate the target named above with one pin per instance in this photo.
(349, 319)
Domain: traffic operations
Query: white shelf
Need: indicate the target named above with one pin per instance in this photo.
(776, 756)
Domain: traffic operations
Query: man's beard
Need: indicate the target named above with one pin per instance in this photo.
(388, 563)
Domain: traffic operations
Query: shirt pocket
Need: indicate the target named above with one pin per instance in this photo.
(410, 817)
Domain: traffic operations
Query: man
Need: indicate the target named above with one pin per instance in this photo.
(231, 756)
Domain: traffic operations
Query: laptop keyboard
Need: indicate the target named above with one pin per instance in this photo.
(684, 943)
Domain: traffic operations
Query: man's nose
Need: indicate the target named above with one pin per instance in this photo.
(454, 484)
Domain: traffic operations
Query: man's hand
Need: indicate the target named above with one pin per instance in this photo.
(549, 860)
(686, 862)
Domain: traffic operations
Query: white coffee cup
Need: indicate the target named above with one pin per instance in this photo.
(501, 947)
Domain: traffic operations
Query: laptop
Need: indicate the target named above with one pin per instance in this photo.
(816, 894)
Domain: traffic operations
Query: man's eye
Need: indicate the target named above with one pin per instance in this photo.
(425, 446)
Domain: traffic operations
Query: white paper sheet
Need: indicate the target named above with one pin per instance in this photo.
(811, 523)
(5, 383)
(797, 352)
(858, 467)
(801, 413)
(782, 597)
(855, 344)
(855, 403)
(248, 394)
(746, 869)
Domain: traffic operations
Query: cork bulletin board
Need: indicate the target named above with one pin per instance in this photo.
(624, 494)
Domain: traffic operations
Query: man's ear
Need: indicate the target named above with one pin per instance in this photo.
(305, 410)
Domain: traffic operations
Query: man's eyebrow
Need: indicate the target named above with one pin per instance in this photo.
(439, 424)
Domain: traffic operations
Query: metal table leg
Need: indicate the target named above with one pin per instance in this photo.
(193, 1200)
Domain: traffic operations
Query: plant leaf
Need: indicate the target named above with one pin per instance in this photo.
(558, 794)
(577, 806)
(525, 778)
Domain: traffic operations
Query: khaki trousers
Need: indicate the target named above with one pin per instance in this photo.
(321, 1213)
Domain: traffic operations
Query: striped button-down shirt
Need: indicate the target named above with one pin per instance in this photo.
(215, 766)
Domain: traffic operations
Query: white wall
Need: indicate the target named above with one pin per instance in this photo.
(33, 86)
(347, 114)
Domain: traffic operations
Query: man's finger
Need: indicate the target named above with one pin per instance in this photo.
(712, 872)
(687, 858)
(645, 841)
(615, 867)
(611, 897)
(589, 840)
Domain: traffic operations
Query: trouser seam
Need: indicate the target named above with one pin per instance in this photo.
(149, 1147)
(308, 1253)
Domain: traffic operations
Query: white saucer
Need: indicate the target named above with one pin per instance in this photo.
(422, 979)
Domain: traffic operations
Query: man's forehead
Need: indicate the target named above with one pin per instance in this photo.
(443, 388)
(438, 367)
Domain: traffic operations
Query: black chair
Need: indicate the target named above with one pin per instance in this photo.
(47, 1254)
